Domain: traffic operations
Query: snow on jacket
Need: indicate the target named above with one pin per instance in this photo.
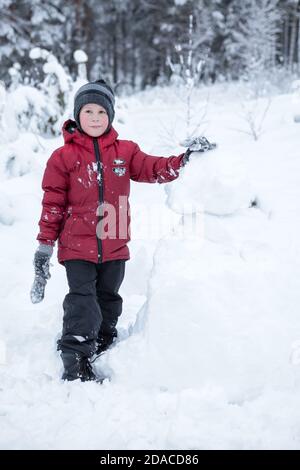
(86, 187)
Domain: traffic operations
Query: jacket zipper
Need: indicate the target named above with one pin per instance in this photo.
(101, 191)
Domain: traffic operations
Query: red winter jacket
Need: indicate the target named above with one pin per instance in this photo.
(86, 187)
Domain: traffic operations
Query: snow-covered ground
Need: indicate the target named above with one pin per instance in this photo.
(208, 355)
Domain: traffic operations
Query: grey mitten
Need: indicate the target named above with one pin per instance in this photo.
(41, 264)
(197, 144)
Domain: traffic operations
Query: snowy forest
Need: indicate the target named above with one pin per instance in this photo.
(206, 353)
(133, 42)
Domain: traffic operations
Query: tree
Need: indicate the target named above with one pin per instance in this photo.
(290, 34)
(252, 43)
(26, 24)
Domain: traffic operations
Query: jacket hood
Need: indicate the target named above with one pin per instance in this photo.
(71, 134)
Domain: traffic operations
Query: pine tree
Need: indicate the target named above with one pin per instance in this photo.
(252, 43)
(26, 24)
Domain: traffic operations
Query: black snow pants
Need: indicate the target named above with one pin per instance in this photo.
(92, 306)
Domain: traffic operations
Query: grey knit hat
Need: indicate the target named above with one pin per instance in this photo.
(98, 92)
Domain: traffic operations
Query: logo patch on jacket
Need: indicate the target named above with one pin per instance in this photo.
(119, 161)
(120, 171)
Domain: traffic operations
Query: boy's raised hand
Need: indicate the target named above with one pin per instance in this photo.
(198, 144)
(41, 264)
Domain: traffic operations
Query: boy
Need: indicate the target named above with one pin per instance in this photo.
(83, 182)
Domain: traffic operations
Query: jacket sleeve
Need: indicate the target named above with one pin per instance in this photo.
(146, 168)
(55, 185)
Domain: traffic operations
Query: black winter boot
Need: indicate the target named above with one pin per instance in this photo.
(77, 367)
(105, 341)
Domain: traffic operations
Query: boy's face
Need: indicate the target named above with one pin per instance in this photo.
(93, 119)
